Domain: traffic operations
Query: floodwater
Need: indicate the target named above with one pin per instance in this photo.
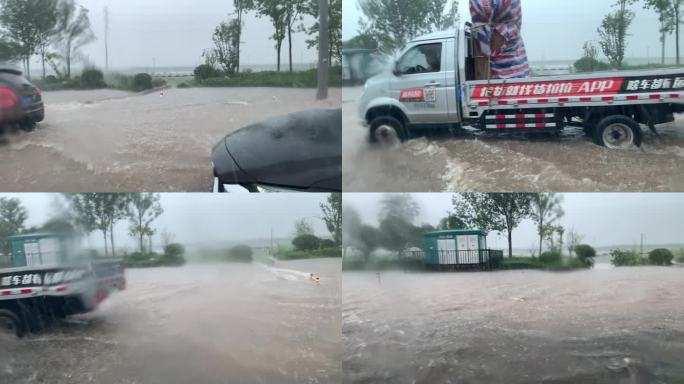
(196, 324)
(469, 162)
(621, 325)
(108, 140)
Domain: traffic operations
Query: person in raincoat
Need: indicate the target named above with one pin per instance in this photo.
(496, 29)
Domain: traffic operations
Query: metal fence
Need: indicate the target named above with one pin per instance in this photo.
(480, 258)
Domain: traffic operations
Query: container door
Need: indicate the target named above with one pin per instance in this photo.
(49, 251)
(32, 254)
(473, 256)
(446, 248)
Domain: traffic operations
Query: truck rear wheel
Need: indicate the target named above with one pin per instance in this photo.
(10, 324)
(618, 132)
(386, 130)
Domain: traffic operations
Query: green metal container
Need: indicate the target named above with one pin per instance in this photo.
(40, 249)
(454, 247)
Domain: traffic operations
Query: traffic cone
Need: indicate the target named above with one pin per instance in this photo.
(161, 93)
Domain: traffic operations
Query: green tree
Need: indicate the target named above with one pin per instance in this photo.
(277, 13)
(29, 25)
(392, 23)
(332, 216)
(13, 217)
(74, 32)
(501, 212)
(227, 45)
(398, 212)
(574, 240)
(667, 19)
(306, 242)
(546, 209)
(241, 7)
(452, 222)
(92, 211)
(144, 209)
(613, 33)
(362, 40)
(334, 28)
(303, 227)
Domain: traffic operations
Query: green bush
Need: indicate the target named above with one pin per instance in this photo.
(142, 82)
(158, 82)
(296, 79)
(92, 78)
(327, 243)
(584, 251)
(174, 254)
(51, 79)
(660, 256)
(550, 257)
(306, 242)
(182, 85)
(205, 71)
(240, 253)
(621, 258)
(589, 64)
(327, 252)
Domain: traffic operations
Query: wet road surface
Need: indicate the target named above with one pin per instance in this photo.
(467, 162)
(622, 325)
(109, 140)
(196, 324)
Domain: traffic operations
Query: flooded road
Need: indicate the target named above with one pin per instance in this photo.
(196, 324)
(622, 325)
(114, 141)
(500, 164)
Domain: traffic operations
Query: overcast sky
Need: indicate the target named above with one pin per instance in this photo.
(176, 32)
(605, 219)
(205, 219)
(557, 29)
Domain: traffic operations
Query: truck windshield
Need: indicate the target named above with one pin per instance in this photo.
(421, 59)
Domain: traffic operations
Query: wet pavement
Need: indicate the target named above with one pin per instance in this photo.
(196, 324)
(113, 141)
(620, 325)
(467, 162)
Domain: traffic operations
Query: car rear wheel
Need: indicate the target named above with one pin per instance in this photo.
(618, 132)
(387, 130)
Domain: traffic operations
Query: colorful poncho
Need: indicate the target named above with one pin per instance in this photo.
(505, 17)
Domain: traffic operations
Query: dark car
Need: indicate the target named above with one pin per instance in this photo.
(301, 152)
(21, 102)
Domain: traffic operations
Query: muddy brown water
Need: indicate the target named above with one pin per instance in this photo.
(467, 162)
(116, 141)
(620, 325)
(196, 324)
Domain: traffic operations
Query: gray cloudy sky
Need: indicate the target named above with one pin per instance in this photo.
(206, 219)
(557, 29)
(604, 219)
(176, 32)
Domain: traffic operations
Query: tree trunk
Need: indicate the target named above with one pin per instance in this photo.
(28, 67)
(510, 244)
(42, 59)
(239, 35)
(677, 35)
(289, 39)
(67, 58)
(141, 239)
(662, 49)
(104, 235)
(111, 239)
(278, 47)
(323, 46)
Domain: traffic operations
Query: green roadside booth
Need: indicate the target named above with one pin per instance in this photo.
(459, 249)
(40, 249)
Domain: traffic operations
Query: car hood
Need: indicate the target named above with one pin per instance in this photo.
(302, 150)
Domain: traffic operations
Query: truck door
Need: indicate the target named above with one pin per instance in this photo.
(420, 82)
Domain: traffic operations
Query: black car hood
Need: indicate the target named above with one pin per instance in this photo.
(302, 150)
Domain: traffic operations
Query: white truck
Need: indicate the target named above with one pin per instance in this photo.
(433, 84)
(44, 283)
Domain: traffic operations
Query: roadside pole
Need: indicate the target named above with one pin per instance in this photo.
(323, 48)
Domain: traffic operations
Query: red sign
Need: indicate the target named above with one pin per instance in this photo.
(537, 89)
(416, 94)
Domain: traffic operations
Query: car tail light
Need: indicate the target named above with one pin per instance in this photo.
(8, 98)
(39, 92)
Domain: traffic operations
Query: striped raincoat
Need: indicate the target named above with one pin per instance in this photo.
(504, 17)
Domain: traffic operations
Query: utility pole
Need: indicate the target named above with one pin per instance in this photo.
(106, 17)
(323, 48)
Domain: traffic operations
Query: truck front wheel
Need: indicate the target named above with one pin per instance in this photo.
(618, 132)
(10, 324)
(387, 130)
